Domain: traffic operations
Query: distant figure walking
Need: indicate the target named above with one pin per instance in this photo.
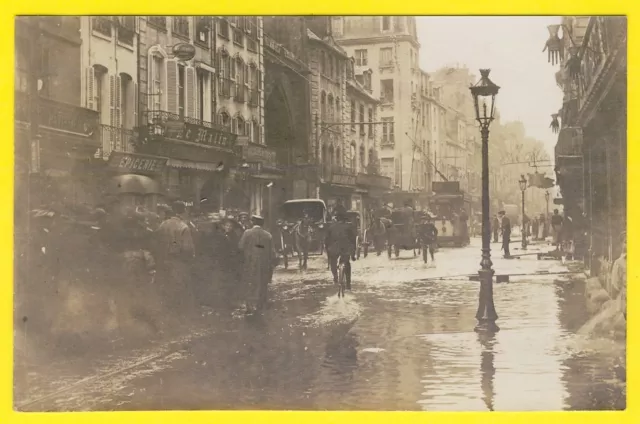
(506, 233)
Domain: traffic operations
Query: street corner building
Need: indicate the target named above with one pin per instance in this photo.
(591, 151)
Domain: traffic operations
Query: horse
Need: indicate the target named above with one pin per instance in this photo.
(303, 232)
(379, 235)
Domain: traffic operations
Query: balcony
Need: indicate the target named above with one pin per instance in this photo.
(102, 25)
(118, 139)
(58, 116)
(171, 126)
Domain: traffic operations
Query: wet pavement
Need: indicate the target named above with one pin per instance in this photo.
(403, 340)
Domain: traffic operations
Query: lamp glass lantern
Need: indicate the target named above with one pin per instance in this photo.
(484, 98)
(523, 183)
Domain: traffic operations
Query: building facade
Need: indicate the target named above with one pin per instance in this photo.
(56, 135)
(388, 45)
(590, 155)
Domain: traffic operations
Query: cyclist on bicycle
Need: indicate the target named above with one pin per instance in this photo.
(340, 243)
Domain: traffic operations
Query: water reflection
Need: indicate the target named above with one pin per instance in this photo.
(487, 368)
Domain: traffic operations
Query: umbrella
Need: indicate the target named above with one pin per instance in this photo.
(131, 183)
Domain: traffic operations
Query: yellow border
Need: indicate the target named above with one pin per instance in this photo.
(335, 7)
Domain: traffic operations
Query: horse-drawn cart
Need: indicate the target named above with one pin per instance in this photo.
(302, 228)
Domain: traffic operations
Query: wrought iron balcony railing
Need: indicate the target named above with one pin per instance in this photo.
(162, 124)
(118, 139)
(58, 116)
(102, 25)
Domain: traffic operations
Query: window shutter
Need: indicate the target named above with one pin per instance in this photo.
(172, 86)
(196, 96)
(110, 140)
(190, 92)
(135, 105)
(91, 89)
(118, 111)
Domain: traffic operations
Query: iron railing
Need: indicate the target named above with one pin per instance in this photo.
(167, 124)
(116, 139)
(58, 115)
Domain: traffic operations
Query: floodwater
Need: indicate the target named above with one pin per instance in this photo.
(403, 340)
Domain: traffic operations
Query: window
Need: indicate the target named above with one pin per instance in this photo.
(103, 25)
(126, 29)
(181, 90)
(158, 21)
(338, 110)
(386, 91)
(203, 27)
(386, 56)
(353, 115)
(386, 23)
(361, 119)
(387, 131)
(241, 71)
(361, 58)
(371, 128)
(350, 70)
(223, 28)
(126, 102)
(181, 26)
(157, 76)
(238, 35)
(330, 108)
(255, 133)
(362, 157)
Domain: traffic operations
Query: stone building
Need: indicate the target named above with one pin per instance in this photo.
(389, 46)
(591, 152)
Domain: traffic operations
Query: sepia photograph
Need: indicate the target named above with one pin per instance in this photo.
(320, 213)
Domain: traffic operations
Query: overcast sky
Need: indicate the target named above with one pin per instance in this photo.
(512, 48)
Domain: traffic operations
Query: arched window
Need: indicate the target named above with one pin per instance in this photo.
(240, 126)
(323, 106)
(101, 94)
(225, 121)
(372, 163)
(362, 158)
(338, 109)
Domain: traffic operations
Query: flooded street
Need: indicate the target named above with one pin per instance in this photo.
(403, 340)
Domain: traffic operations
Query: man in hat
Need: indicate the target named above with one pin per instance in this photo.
(175, 252)
(259, 260)
(340, 242)
(506, 233)
(428, 235)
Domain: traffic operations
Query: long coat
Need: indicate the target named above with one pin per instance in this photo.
(175, 254)
(259, 260)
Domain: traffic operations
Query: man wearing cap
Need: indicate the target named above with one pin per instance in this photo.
(340, 242)
(259, 260)
(506, 233)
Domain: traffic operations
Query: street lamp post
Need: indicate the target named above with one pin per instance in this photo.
(546, 198)
(523, 188)
(485, 91)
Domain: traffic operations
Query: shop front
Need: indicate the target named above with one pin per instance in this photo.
(199, 159)
(340, 188)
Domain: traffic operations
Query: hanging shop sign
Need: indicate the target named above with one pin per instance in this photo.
(184, 51)
(193, 133)
(133, 163)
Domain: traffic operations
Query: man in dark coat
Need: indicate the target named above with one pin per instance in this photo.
(229, 259)
(259, 261)
(495, 227)
(506, 233)
(428, 236)
(340, 242)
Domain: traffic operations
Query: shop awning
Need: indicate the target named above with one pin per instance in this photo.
(199, 166)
